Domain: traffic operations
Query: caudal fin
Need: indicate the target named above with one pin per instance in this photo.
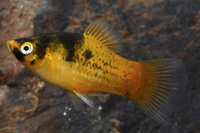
(162, 84)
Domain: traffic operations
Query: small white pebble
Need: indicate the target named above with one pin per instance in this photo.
(70, 109)
(99, 108)
(143, 26)
(99, 118)
(64, 113)
(69, 119)
(66, 107)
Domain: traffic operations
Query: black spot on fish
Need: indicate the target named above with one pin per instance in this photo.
(96, 66)
(32, 62)
(106, 72)
(114, 67)
(18, 54)
(105, 64)
(88, 54)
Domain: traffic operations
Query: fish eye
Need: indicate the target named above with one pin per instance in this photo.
(26, 48)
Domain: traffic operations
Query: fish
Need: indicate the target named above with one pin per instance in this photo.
(88, 65)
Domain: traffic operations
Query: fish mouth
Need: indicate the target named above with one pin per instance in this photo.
(12, 44)
(9, 44)
(13, 47)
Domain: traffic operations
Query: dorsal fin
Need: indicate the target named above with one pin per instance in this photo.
(101, 31)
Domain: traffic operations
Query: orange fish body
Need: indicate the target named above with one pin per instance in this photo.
(87, 65)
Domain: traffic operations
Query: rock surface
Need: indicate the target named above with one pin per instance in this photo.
(149, 29)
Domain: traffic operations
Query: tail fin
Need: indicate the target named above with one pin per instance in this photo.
(162, 84)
